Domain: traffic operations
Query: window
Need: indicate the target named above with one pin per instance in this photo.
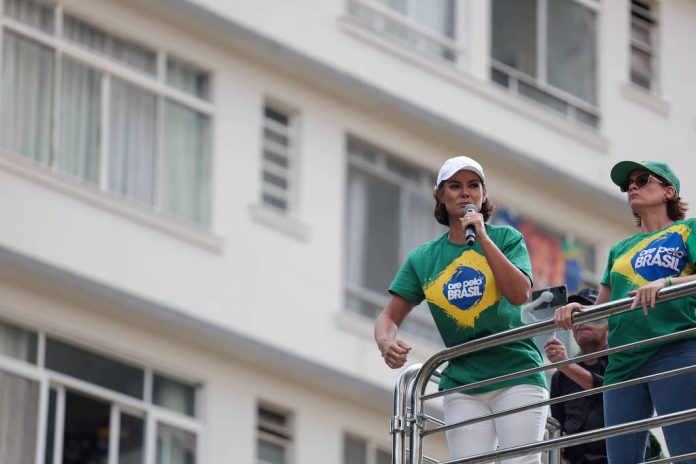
(274, 436)
(361, 451)
(427, 25)
(389, 212)
(105, 118)
(546, 51)
(643, 43)
(90, 389)
(278, 158)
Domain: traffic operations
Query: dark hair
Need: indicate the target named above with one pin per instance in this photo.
(676, 210)
(441, 210)
(676, 207)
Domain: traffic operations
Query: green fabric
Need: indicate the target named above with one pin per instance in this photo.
(634, 262)
(623, 169)
(466, 303)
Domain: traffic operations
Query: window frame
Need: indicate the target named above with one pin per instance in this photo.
(291, 173)
(420, 321)
(62, 48)
(371, 447)
(452, 51)
(574, 105)
(651, 49)
(283, 436)
(145, 408)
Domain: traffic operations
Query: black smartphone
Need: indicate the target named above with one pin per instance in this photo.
(559, 297)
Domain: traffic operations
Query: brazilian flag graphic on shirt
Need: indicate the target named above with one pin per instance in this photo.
(655, 257)
(464, 289)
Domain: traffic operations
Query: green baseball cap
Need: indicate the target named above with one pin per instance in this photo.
(623, 169)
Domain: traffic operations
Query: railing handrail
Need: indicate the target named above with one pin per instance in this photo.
(421, 374)
(594, 313)
(534, 370)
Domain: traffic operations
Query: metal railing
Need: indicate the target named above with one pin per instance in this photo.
(411, 425)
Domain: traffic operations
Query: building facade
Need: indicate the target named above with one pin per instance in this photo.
(204, 201)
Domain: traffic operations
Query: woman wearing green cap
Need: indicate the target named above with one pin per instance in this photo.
(474, 278)
(662, 254)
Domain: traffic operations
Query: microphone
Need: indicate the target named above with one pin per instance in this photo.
(470, 231)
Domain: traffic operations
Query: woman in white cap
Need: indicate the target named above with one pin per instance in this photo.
(473, 290)
(662, 254)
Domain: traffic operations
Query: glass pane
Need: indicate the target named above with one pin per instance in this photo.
(271, 417)
(279, 160)
(586, 118)
(185, 175)
(383, 457)
(50, 426)
(641, 62)
(132, 142)
(114, 47)
(514, 34)
(641, 34)
(94, 368)
(86, 430)
(276, 202)
(373, 254)
(437, 15)
(80, 121)
(174, 395)
(131, 440)
(271, 453)
(18, 343)
(34, 13)
(275, 180)
(500, 78)
(27, 87)
(542, 97)
(354, 451)
(571, 49)
(276, 116)
(19, 402)
(188, 78)
(175, 446)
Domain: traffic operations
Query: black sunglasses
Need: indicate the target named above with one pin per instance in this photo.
(640, 181)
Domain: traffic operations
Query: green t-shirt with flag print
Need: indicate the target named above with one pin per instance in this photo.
(634, 262)
(466, 303)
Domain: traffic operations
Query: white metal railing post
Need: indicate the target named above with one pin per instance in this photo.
(400, 426)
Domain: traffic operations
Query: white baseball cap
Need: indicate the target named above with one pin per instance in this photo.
(456, 164)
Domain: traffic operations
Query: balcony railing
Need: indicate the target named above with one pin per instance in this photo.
(411, 425)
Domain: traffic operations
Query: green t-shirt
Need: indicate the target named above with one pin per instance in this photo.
(634, 262)
(467, 303)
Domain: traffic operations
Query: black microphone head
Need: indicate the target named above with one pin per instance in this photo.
(470, 232)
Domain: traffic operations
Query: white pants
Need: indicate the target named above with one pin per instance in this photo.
(504, 432)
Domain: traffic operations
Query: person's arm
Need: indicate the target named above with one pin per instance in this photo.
(394, 351)
(563, 317)
(647, 294)
(514, 283)
(556, 352)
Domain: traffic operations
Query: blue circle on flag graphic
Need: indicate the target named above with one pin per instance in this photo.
(664, 256)
(465, 288)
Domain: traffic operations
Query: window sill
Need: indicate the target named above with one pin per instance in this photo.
(280, 222)
(75, 188)
(645, 99)
(485, 89)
